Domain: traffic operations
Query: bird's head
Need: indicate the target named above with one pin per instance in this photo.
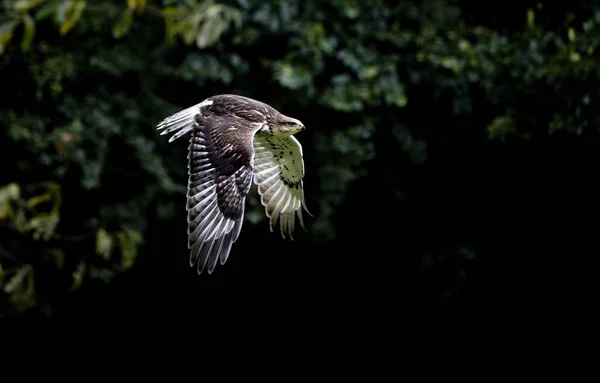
(284, 125)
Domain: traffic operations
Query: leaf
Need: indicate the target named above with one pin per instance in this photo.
(123, 24)
(20, 289)
(530, 18)
(136, 5)
(369, 72)
(8, 193)
(500, 127)
(59, 257)
(11, 191)
(43, 225)
(25, 5)
(29, 32)
(78, 275)
(73, 15)
(104, 244)
(102, 273)
(17, 279)
(46, 10)
(33, 201)
(129, 242)
(60, 12)
(8, 26)
(6, 31)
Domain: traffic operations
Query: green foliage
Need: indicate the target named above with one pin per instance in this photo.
(92, 79)
(38, 216)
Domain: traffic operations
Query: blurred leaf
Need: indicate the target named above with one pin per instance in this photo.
(59, 257)
(138, 5)
(500, 127)
(123, 24)
(370, 72)
(33, 201)
(104, 244)
(129, 242)
(47, 9)
(290, 76)
(78, 275)
(102, 273)
(71, 15)
(8, 194)
(44, 225)
(29, 32)
(20, 289)
(6, 31)
(209, 32)
(203, 25)
(61, 10)
(530, 18)
(16, 281)
(25, 5)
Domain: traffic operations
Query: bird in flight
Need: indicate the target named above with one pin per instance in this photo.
(235, 140)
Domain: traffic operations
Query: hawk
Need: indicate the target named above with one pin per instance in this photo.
(235, 140)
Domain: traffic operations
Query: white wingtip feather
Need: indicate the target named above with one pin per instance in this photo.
(182, 121)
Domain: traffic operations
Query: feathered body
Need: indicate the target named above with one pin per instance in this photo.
(235, 140)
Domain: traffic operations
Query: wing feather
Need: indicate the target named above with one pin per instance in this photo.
(220, 164)
(279, 174)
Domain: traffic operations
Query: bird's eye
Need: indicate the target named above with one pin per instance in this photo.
(289, 123)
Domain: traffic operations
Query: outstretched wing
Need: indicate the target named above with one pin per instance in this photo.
(279, 174)
(220, 173)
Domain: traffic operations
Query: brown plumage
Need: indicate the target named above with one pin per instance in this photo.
(235, 140)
